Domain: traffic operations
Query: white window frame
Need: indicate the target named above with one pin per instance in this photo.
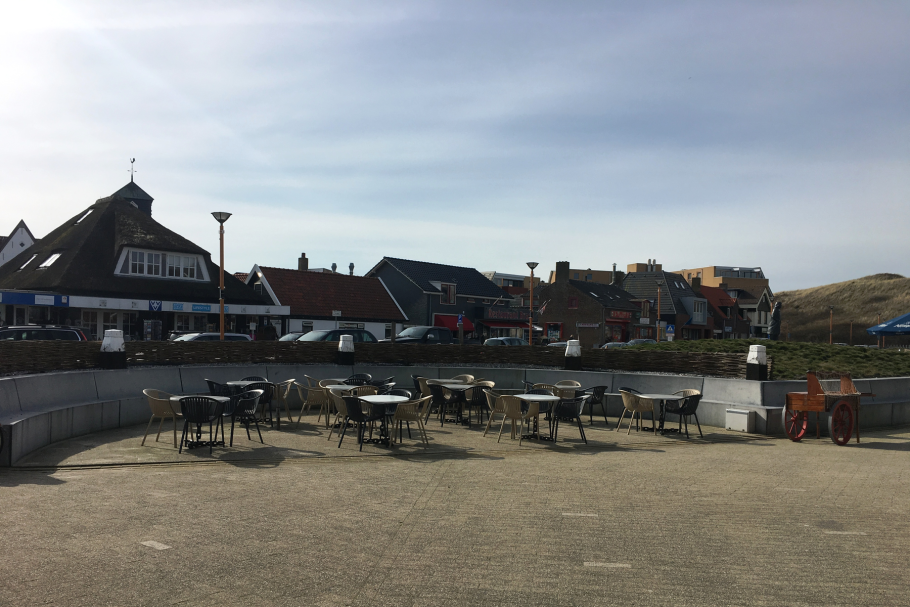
(189, 267)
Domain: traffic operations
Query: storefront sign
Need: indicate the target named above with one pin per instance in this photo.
(620, 314)
(44, 300)
(177, 307)
(31, 299)
(587, 325)
(505, 314)
(202, 308)
(154, 306)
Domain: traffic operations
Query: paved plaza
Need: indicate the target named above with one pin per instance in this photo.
(729, 519)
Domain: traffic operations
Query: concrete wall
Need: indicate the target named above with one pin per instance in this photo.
(38, 410)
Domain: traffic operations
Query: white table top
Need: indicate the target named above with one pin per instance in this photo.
(340, 387)
(384, 399)
(447, 381)
(457, 387)
(661, 396)
(542, 398)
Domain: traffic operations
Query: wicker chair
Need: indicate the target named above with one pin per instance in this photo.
(685, 409)
(442, 399)
(570, 410)
(199, 410)
(548, 387)
(341, 412)
(329, 402)
(513, 413)
(568, 383)
(405, 413)
(311, 395)
(246, 412)
(423, 388)
(160, 404)
(463, 378)
(633, 403)
(495, 407)
(282, 391)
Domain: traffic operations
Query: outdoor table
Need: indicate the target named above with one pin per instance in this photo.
(661, 399)
(459, 389)
(387, 400)
(538, 398)
(224, 400)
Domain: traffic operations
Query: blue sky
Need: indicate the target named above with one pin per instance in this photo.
(483, 134)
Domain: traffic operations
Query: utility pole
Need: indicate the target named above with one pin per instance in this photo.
(831, 326)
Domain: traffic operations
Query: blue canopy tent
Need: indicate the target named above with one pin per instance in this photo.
(895, 326)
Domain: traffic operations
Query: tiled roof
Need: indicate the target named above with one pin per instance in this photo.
(718, 299)
(241, 275)
(468, 281)
(643, 285)
(316, 294)
(609, 296)
(89, 251)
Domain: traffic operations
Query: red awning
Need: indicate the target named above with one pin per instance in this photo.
(451, 322)
(504, 324)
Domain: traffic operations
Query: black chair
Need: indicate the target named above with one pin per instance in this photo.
(443, 402)
(569, 409)
(359, 379)
(684, 409)
(254, 378)
(478, 401)
(265, 401)
(384, 388)
(355, 414)
(382, 382)
(246, 412)
(597, 398)
(416, 380)
(216, 389)
(199, 410)
(400, 392)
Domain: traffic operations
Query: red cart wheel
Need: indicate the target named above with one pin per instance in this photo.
(795, 424)
(840, 423)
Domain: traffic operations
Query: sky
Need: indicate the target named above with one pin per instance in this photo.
(480, 134)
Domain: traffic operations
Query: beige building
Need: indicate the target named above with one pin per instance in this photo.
(748, 279)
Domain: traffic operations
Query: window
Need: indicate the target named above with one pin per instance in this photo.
(132, 328)
(30, 259)
(471, 300)
(108, 321)
(137, 262)
(576, 275)
(50, 260)
(589, 277)
(573, 303)
(199, 323)
(699, 312)
(448, 294)
(90, 324)
(153, 264)
(87, 213)
(173, 266)
(189, 267)
(182, 322)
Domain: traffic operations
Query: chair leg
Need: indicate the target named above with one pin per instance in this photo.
(603, 407)
(174, 417)
(631, 419)
(258, 431)
(619, 423)
(161, 423)
(489, 422)
(147, 431)
(581, 430)
(344, 429)
(232, 431)
(501, 427)
(183, 435)
(700, 435)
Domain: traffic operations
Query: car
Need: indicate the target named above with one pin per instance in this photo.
(614, 344)
(423, 335)
(505, 341)
(213, 337)
(640, 342)
(41, 332)
(558, 344)
(360, 335)
(294, 336)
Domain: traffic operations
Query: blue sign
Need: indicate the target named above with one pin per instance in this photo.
(460, 318)
(155, 306)
(32, 299)
(177, 307)
(671, 329)
(202, 308)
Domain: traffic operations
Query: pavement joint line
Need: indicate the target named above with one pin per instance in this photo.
(608, 565)
(589, 514)
(846, 533)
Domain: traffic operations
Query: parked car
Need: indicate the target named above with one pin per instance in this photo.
(640, 342)
(291, 336)
(360, 335)
(213, 337)
(42, 332)
(423, 335)
(558, 344)
(505, 341)
(614, 344)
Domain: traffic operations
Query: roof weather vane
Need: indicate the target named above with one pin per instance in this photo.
(132, 168)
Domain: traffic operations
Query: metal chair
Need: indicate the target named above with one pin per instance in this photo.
(265, 401)
(685, 409)
(217, 389)
(359, 379)
(597, 398)
(254, 378)
(354, 413)
(245, 412)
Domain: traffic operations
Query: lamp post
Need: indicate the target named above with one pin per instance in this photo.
(532, 265)
(831, 325)
(221, 218)
(851, 332)
(660, 283)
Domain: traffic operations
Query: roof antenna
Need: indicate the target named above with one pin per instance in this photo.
(132, 169)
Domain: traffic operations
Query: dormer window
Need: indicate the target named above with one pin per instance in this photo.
(87, 213)
(135, 262)
(30, 260)
(448, 294)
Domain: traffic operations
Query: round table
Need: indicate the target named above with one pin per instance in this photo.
(459, 389)
(384, 399)
(538, 398)
(661, 399)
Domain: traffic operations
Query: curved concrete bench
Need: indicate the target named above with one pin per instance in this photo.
(38, 410)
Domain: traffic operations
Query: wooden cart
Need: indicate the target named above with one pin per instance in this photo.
(832, 393)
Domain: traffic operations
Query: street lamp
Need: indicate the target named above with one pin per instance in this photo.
(660, 283)
(532, 265)
(831, 325)
(221, 218)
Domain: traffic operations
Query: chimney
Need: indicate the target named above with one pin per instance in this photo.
(613, 275)
(617, 278)
(303, 264)
(696, 283)
(351, 268)
(650, 267)
(334, 267)
(562, 272)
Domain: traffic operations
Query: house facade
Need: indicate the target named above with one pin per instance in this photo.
(591, 312)
(112, 266)
(682, 313)
(318, 300)
(436, 294)
(18, 241)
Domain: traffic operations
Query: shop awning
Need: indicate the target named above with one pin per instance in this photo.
(504, 324)
(450, 322)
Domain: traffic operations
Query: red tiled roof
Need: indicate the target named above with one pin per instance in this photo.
(241, 275)
(317, 294)
(718, 298)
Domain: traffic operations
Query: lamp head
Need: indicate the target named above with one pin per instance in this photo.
(532, 265)
(221, 217)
